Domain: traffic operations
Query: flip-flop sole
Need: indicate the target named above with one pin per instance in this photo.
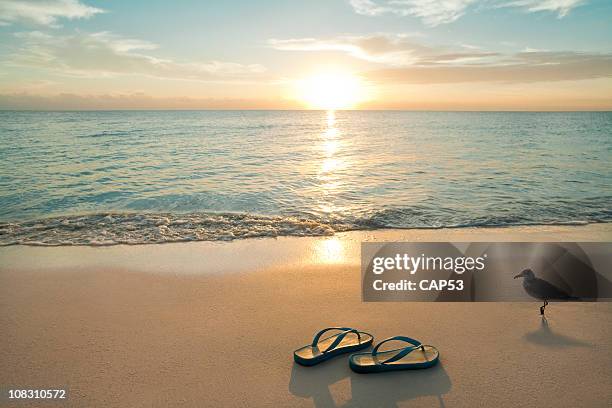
(365, 363)
(307, 356)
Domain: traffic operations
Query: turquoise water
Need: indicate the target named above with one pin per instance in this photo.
(139, 177)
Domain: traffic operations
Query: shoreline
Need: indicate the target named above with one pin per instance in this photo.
(134, 228)
(342, 248)
(215, 324)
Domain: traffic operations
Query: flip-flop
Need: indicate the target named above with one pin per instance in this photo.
(414, 356)
(319, 350)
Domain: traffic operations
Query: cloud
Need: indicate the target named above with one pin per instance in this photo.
(68, 101)
(105, 54)
(434, 12)
(407, 61)
(475, 100)
(43, 12)
(561, 7)
(389, 49)
(539, 66)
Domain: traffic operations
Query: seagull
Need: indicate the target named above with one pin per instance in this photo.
(541, 289)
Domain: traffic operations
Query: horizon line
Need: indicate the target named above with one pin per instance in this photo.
(560, 110)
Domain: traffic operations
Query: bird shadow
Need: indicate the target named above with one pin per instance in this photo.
(366, 390)
(545, 336)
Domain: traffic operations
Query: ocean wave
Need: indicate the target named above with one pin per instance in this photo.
(429, 217)
(156, 228)
(107, 133)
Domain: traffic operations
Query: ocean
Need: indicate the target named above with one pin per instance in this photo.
(132, 177)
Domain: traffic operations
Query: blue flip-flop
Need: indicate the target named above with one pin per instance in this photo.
(320, 350)
(411, 357)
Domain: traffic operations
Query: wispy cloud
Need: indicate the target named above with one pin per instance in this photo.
(434, 12)
(43, 12)
(407, 61)
(106, 54)
(389, 49)
(561, 7)
(539, 66)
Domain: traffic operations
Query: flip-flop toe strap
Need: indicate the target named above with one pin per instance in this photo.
(338, 339)
(414, 344)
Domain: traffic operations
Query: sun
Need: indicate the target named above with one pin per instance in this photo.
(331, 90)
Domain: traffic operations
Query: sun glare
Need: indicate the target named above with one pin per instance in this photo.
(331, 91)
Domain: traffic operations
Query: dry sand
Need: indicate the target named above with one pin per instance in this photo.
(214, 324)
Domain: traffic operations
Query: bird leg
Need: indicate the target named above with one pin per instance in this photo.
(543, 307)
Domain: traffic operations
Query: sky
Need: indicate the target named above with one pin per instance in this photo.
(359, 54)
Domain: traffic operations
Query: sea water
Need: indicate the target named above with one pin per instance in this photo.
(133, 177)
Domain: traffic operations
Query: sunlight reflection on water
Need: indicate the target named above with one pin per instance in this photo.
(359, 169)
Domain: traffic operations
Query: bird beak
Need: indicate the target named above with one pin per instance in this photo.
(519, 275)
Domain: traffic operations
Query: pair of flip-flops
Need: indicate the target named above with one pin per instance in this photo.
(346, 340)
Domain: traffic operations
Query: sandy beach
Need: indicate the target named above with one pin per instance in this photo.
(215, 324)
(192, 192)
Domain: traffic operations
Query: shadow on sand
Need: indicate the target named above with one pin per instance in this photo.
(367, 390)
(545, 336)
